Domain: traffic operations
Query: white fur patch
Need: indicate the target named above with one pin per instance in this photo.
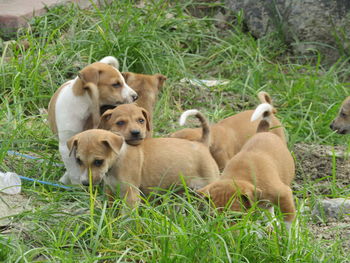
(260, 110)
(186, 114)
(110, 60)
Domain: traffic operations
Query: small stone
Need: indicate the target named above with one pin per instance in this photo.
(332, 208)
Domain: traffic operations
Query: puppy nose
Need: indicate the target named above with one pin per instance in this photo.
(85, 183)
(331, 126)
(135, 133)
(134, 97)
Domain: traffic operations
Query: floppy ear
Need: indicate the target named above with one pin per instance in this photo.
(346, 104)
(114, 142)
(126, 75)
(146, 115)
(161, 79)
(249, 195)
(104, 119)
(89, 74)
(72, 144)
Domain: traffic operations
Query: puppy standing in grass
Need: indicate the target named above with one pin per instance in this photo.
(138, 165)
(229, 135)
(75, 106)
(262, 171)
(341, 124)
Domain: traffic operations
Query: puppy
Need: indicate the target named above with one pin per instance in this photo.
(75, 106)
(147, 88)
(341, 124)
(131, 169)
(262, 171)
(128, 120)
(229, 135)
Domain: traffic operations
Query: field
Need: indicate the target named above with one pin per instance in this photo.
(76, 225)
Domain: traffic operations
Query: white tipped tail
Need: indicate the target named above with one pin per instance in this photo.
(110, 60)
(205, 139)
(185, 115)
(261, 110)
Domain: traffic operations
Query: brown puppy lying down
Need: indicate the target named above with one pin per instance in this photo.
(229, 135)
(147, 88)
(262, 171)
(155, 162)
(341, 124)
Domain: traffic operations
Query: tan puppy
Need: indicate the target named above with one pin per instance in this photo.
(262, 171)
(75, 106)
(147, 88)
(229, 135)
(156, 162)
(128, 120)
(341, 124)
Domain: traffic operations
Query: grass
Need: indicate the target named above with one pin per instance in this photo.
(77, 225)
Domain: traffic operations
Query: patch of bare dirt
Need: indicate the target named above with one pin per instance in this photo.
(315, 166)
(11, 205)
(315, 173)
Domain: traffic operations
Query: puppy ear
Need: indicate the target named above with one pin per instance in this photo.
(146, 115)
(114, 142)
(72, 144)
(89, 74)
(161, 79)
(126, 75)
(104, 120)
(250, 195)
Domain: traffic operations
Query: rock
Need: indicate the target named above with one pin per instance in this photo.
(322, 25)
(332, 208)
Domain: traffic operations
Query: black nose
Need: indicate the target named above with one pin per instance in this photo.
(134, 97)
(135, 133)
(85, 183)
(331, 126)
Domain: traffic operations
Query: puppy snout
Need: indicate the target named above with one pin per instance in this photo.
(331, 126)
(85, 182)
(135, 133)
(134, 97)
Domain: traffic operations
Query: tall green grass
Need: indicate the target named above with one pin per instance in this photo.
(71, 226)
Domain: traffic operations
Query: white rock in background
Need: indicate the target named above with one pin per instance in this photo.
(332, 208)
(10, 183)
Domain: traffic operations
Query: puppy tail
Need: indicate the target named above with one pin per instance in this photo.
(264, 97)
(110, 60)
(264, 110)
(204, 122)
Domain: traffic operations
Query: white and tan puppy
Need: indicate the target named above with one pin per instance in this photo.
(262, 171)
(341, 124)
(229, 135)
(131, 169)
(75, 106)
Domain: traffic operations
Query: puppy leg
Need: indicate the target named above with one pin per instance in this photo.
(72, 175)
(287, 206)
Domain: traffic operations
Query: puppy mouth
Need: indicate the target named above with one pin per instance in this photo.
(134, 141)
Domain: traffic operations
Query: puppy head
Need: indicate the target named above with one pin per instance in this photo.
(142, 83)
(110, 83)
(128, 120)
(341, 124)
(236, 196)
(96, 151)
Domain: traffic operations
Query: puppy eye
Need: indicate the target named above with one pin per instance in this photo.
(117, 85)
(79, 162)
(342, 114)
(98, 163)
(141, 120)
(120, 123)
